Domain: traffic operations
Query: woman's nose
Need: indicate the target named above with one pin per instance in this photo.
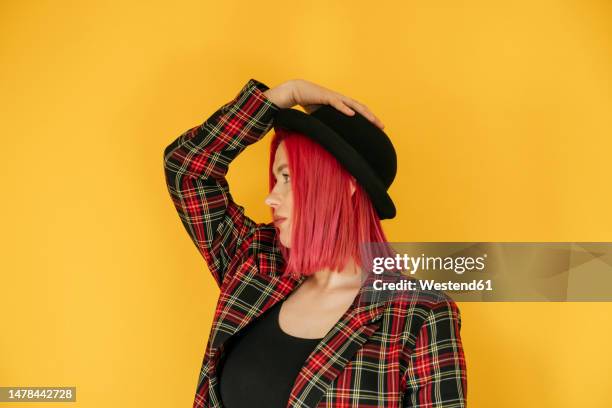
(272, 201)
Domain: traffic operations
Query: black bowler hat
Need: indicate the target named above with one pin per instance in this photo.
(359, 145)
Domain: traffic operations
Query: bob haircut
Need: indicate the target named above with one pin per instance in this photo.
(329, 225)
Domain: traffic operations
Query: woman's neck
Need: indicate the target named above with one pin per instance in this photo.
(327, 280)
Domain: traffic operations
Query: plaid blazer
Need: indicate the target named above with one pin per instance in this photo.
(397, 351)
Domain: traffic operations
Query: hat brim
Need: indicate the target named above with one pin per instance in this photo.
(293, 119)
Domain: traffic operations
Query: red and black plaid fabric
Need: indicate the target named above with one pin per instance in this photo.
(399, 351)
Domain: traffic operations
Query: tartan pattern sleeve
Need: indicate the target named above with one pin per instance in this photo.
(195, 166)
(436, 374)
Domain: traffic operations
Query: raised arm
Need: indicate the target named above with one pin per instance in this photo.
(436, 376)
(196, 164)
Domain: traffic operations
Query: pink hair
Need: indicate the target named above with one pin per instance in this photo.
(329, 225)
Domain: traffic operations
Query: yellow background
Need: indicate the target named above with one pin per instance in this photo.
(501, 117)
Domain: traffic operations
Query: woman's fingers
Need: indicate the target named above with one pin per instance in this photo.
(363, 110)
(342, 106)
(306, 93)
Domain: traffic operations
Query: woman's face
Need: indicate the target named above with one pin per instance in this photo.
(281, 198)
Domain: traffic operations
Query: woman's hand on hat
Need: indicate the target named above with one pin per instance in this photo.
(311, 96)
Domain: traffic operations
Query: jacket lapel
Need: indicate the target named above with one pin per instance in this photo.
(246, 297)
(338, 347)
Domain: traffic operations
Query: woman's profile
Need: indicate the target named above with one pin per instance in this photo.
(293, 325)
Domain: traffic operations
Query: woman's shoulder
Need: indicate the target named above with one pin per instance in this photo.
(420, 307)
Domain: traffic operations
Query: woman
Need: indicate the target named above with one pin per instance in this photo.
(296, 324)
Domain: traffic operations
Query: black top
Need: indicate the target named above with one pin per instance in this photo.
(261, 363)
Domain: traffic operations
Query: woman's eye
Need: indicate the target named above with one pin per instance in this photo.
(286, 176)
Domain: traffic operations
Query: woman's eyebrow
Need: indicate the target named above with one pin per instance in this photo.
(279, 168)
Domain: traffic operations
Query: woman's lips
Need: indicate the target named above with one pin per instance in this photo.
(277, 221)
